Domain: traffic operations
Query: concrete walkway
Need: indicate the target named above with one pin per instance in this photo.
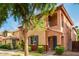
(70, 53)
(49, 53)
(66, 53)
(4, 52)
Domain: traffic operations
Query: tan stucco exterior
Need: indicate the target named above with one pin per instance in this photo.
(66, 32)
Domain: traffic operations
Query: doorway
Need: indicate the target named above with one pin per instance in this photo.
(52, 42)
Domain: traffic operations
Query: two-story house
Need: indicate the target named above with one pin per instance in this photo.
(59, 31)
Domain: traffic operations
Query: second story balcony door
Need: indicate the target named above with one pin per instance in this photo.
(52, 20)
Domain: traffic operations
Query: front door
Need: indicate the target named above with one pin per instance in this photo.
(52, 42)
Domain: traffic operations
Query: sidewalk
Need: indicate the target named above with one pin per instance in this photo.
(4, 52)
(66, 53)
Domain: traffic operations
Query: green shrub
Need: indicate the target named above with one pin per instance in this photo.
(22, 44)
(18, 47)
(40, 49)
(5, 46)
(8, 46)
(59, 50)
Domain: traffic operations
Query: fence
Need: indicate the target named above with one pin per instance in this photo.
(75, 45)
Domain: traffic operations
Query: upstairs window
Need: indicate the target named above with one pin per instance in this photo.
(52, 20)
(66, 26)
(62, 20)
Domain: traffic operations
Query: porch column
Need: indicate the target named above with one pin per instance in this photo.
(59, 19)
(46, 40)
(59, 39)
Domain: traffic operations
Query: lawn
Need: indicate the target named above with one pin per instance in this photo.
(36, 54)
(30, 54)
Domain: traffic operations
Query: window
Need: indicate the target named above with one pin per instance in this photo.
(62, 20)
(62, 40)
(52, 20)
(66, 26)
(33, 40)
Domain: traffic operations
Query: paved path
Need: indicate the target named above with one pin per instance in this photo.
(70, 53)
(49, 53)
(4, 52)
(66, 53)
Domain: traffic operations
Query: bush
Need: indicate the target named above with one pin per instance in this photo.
(18, 46)
(5, 46)
(59, 50)
(40, 49)
(22, 44)
(8, 46)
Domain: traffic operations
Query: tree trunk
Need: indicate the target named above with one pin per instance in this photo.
(26, 52)
(25, 38)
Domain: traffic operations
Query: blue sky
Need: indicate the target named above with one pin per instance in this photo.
(9, 25)
(72, 9)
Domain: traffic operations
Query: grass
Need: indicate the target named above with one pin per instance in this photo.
(35, 54)
(30, 54)
(22, 54)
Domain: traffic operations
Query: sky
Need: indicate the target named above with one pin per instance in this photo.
(72, 9)
(9, 25)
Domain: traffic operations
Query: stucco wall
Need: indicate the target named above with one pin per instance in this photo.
(57, 27)
(53, 33)
(40, 34)
(73, 35)
(66, 29)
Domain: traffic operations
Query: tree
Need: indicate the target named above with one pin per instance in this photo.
(5, 34)
(24, 13)
(76, 27)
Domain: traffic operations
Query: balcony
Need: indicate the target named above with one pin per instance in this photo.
(52, 20)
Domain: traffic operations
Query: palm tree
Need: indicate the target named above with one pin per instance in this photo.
(24, 13)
